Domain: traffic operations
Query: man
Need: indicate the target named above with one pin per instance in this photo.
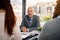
(30, 22)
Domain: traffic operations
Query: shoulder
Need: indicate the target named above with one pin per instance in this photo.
(25, 16)
(50, 23)
(35, 16)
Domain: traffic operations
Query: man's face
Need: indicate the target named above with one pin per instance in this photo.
(30, 12)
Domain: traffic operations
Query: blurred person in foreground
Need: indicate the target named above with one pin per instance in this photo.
(30, 21)
(51, 30)
(8, 26)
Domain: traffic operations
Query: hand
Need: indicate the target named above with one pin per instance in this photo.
(24, 29)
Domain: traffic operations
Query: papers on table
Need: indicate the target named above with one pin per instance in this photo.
(25, 34)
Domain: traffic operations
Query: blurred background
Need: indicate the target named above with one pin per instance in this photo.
(43, 8)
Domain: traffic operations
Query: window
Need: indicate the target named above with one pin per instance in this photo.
(43, 8)
(17, 7)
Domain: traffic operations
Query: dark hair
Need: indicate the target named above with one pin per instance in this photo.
(9, 16)
(57, 9)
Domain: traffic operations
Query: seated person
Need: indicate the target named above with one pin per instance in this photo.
(30, 22)
(51, 29)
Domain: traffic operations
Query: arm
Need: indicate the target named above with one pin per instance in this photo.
(23, 27)
(23, 23)
(37, 22)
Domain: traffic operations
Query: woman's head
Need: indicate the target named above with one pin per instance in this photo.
(9, 16)
(57, 9)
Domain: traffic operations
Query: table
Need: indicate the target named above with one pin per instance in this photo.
(27, 34)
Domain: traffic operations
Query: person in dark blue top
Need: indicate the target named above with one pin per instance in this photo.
(30, 21)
